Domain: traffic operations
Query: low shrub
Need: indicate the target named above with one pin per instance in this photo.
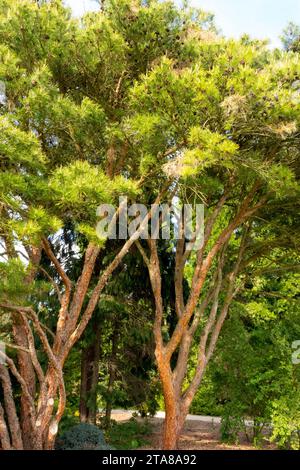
(82, 437)
(232, 424)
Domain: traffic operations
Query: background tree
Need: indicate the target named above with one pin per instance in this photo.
(126, 343)
(253, 364)
(65, 149)
(235, 132)
(291, 37)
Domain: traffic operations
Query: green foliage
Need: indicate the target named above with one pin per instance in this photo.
(207, 401)
(130, 435)
(252, 376)
(37, 223)
(80, 188)
(211, 149)
(12, 280)
(232, 424)
(19, 147)
(68, 420)
(286, 421)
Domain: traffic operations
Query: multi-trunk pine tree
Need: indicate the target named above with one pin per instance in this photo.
(233, 118)
(144, 100)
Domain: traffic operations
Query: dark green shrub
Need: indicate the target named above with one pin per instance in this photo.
(67, 422)
(232, 423)
(129, 435)
(82, 437)
(206, 399)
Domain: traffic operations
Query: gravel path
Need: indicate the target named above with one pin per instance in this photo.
(200, 433)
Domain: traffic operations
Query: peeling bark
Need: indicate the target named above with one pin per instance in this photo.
(4, 434)
(10, 408)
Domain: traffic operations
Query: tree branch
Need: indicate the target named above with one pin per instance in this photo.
(106, 275)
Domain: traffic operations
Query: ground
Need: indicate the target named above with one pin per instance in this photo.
(200, 433)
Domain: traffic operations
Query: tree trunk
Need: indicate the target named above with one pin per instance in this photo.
(27, 372)
(110, 388)
(10, 408)
(4, 434)
(171, 430)
(89, 377)
(83, 411)
(26, 368)
(176, 412)
(112, 375)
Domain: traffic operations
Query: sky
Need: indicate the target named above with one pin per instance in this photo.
(259, 18)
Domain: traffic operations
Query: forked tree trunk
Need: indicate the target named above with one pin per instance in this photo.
(176, 408)
(177, 396)
(171, 428)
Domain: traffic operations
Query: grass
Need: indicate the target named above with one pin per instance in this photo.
(129, 435)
